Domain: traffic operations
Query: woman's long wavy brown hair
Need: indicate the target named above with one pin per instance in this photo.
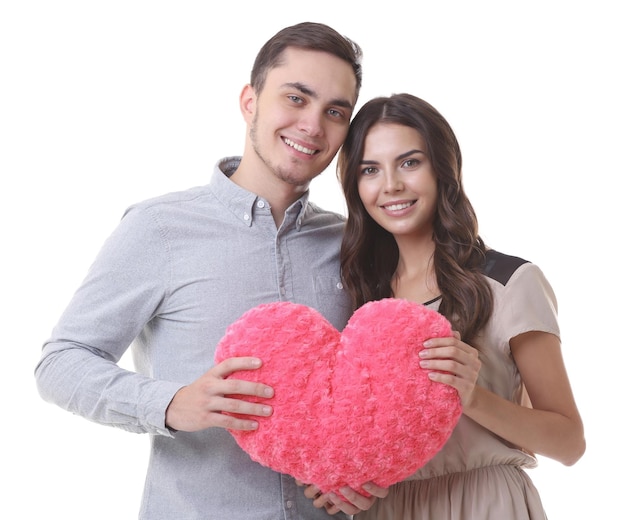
(369, 254)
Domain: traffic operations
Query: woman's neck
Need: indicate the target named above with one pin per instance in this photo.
(415, 277)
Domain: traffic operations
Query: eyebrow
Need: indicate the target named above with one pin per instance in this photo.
(310, 92)
(399, 157)
(409, 153)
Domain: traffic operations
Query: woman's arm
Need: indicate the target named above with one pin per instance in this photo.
(552, 427)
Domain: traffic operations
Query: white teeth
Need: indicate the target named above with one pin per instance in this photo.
(397, 207)
(299, 148)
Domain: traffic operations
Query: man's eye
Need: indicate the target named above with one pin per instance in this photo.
(335, 113)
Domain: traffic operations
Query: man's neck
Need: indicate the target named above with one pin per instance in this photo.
(279, 194)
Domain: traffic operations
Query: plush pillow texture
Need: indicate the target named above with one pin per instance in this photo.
(349, 407)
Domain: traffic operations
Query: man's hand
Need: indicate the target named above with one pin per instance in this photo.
(200, 404)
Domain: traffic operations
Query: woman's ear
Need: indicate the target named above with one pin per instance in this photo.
(247, 103)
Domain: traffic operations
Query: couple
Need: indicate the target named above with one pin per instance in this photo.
(180, 268)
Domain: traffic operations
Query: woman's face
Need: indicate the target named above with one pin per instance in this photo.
(396, 181)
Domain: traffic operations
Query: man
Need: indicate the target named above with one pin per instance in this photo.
(181, 267)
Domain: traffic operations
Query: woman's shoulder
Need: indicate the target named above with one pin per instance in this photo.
(518, 279)
(524, 300)
(501, 267)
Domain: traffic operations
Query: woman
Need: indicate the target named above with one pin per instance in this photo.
(412, 233)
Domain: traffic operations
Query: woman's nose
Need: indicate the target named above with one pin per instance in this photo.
(392, 182)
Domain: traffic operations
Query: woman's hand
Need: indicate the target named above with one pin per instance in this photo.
(334, 504)
(452, 362)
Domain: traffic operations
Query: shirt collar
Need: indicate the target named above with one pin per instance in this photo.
(242, 202)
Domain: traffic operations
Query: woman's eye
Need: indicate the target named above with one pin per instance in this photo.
(411, 162)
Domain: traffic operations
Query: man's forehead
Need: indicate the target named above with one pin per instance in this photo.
(313, 72)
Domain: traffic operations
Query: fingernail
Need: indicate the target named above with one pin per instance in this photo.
(268, 392)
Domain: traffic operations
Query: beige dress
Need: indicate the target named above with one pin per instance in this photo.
(477, 475)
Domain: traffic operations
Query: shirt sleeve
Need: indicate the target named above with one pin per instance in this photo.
(528, 303)
(122, 291)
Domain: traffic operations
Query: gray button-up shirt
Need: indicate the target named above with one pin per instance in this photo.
(172, 276)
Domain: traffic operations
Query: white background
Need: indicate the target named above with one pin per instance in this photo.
(106, 103)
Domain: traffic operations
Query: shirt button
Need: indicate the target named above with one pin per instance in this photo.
(289, 504)
(246, 216)
(339, 286)
(260, 204)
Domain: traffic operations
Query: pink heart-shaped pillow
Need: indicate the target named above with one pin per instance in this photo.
(349, 407)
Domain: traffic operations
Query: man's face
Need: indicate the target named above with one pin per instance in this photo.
(301, 117)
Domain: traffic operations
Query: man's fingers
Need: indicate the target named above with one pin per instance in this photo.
(230, 365)
(217, 384)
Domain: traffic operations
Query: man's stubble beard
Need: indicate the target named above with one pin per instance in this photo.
(280, 172)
